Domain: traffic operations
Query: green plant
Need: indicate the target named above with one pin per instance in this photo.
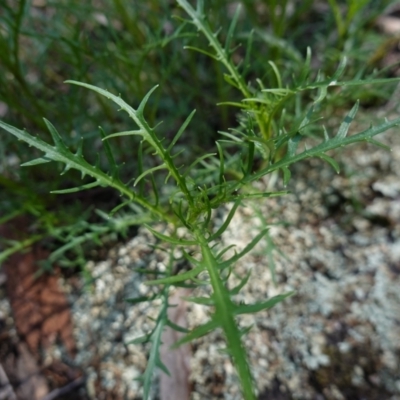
(272, 123)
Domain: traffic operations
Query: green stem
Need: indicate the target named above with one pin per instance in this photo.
(224, 315)
(224, 58)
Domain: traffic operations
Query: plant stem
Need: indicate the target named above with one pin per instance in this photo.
(224, 314)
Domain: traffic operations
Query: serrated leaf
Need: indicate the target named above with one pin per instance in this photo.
(324, 147)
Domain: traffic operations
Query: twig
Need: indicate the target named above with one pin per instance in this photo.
(6, 389)
(65, 389)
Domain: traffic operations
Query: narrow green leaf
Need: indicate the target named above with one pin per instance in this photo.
(119, 206)
(137, 132)
(162, 366)
(305, 71)
(221, 163)
(155, 191)
(277, 74)
(345, 125)
(322, 92)
(141, 299)
(264, 100)
(245, 331)
(140, 340)
(286, 175)
(117, 100)
(326, 135)
(226, 223)
(147, 172)
(282, 44)
(145, 99)
(261, 195)
(176, 278)
(264, 305)
(235, 104)
(204, 301)
(249, 45)
(108, 151)
(331, 161)
(339, 71)
(229, 79)
(56, 136)
(241, 285)
(77, 189)
(306, 120)
(197, 161)
(231, 29)
(229, 135)
(79, 151)
(168, 239)
(176, 327)
(37, 161)
(379, 144)
(201, 51)
(197, 333)
(181, 130)
(191, 259)
(248, 248)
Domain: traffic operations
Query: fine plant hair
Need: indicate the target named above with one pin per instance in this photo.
(271, 135)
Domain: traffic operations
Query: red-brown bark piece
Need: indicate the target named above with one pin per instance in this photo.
(40, 309)
(177, 361)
